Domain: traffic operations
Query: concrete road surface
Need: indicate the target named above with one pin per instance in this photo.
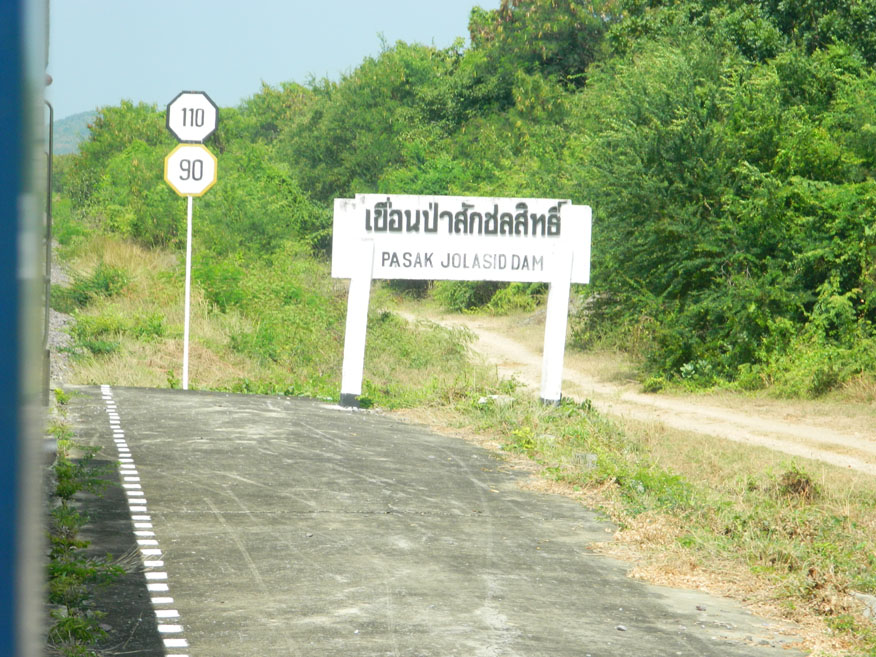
(280, 527)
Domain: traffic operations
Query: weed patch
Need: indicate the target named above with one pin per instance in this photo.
(797, 485)
(408, 365)
(72, 577)
(105, 281)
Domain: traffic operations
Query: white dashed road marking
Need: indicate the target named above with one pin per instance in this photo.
(150, 551)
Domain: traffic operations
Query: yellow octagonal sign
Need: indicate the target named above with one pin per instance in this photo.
(190, 169)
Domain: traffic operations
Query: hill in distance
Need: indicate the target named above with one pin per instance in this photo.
(71, 131)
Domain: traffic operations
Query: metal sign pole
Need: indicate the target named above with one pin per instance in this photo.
(185, 371)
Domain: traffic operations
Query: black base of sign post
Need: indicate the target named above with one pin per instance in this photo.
(349, 401)
(551, 402)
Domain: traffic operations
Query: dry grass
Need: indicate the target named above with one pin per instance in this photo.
(860, 389)
(158, 363)
(150, 289)
(715, 462)
(140, 263)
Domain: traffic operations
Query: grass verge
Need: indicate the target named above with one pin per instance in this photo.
(74, 628)
(277, 330)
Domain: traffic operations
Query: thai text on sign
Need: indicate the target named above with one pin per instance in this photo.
(460, 238)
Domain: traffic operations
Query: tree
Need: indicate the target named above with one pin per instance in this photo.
(557, 38)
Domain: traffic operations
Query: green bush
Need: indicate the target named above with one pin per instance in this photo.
(515, 297)
(464, 295)
(105, 281)
(148, 326)
(97, 335)
(66, 230)
(132, 199)
(220, 280)
(256, 206)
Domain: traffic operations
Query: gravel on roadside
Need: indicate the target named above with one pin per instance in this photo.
(59, 337)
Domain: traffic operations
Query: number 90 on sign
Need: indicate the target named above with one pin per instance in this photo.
(190, 169)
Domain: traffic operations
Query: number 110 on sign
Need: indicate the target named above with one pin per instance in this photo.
(190, 169)
(193, 117)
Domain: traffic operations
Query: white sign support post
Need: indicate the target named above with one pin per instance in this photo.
(356, 327)
(190, 169)
(556, 321)
(188, 294)
(459, 238)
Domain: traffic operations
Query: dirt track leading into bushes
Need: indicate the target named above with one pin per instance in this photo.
(842, 435)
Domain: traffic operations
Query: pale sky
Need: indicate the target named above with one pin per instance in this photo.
(103, 51)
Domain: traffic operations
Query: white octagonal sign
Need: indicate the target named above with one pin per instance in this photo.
(190, 169)
(192, 116)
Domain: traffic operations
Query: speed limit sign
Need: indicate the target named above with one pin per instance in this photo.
(190, 169)
(192, 116)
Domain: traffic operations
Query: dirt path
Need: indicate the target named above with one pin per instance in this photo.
(841, 435)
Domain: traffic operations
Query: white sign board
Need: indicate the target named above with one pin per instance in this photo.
(459, 238)
(190, 169)
(192, 116)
